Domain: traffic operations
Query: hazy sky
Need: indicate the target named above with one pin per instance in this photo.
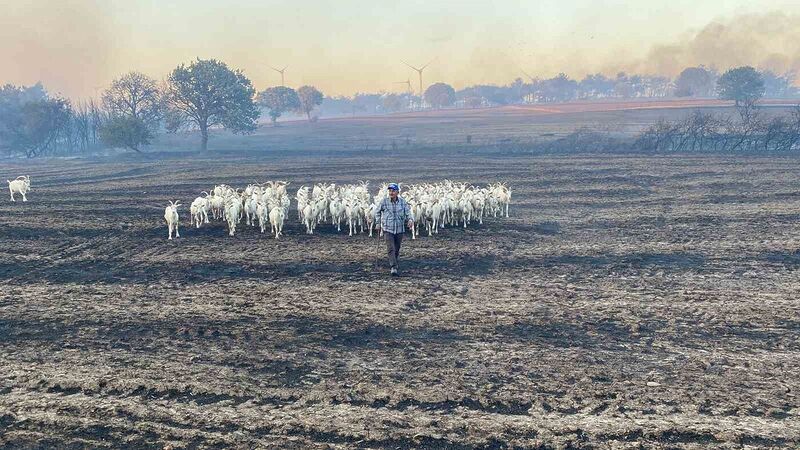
(76, 47)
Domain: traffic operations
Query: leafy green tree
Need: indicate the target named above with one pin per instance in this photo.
(31, 122)
(744, 85)
(392, 102)
(126, 132)
(278, 100)
(695, 82)
(309, 98)
(561, 88)
(779, 86)
(440, 95)
(207, 93)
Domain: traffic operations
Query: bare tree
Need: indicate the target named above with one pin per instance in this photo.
(81, 120)
(703, 131)
(135, 95)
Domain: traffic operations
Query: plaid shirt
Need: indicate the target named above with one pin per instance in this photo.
(393, 215)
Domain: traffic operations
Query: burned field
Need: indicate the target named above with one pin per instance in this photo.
(627, 301)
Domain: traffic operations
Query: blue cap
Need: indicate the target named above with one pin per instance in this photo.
(394, 187)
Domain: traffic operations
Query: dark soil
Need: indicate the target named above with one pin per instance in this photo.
(626, 302)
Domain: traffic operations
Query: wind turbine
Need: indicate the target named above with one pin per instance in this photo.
(280, 71)
(530, 96)
(407, 83)
(419, 71)
(533, 80)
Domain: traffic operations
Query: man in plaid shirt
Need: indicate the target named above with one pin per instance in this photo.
(393, 214)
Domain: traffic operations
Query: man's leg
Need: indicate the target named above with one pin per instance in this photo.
(390, 249)
(398, 239)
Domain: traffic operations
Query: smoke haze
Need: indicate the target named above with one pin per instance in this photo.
(76, 47)
(66, 44)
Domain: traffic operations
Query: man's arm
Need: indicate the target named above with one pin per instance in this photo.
(407, 212)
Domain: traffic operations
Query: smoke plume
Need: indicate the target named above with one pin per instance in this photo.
(765, 41)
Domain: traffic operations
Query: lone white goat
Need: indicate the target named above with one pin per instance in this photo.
(171, 216)
(21, 184)
(233, 208)
(276, 217)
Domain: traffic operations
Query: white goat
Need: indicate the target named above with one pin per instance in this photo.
(308, 219)
(199, 210)
(21, 184)
(251, 210)
(233, 207)
(171, 216)
(276, 216)
(263, 216)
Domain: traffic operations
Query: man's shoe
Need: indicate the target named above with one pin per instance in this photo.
(394, 272)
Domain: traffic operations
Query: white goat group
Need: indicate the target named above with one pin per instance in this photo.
(265, 203)
(21, 184)
(349, 203)
(433, 205)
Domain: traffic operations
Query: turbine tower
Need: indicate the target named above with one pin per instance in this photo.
(280, 71)
(530, 97)
(419, 71)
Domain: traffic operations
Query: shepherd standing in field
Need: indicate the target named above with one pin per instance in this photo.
(391, 216)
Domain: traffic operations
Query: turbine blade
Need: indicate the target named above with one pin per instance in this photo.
(526, 74)
(409, 65)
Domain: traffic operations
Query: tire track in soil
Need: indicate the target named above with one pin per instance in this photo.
(103, 433)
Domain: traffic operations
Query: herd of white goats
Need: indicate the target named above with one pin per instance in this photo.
(433, 205)
(267, 205)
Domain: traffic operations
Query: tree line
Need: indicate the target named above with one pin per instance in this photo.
(693, 82)
(701, 131)
(207, 94)
(751, 131)
(202, 95)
